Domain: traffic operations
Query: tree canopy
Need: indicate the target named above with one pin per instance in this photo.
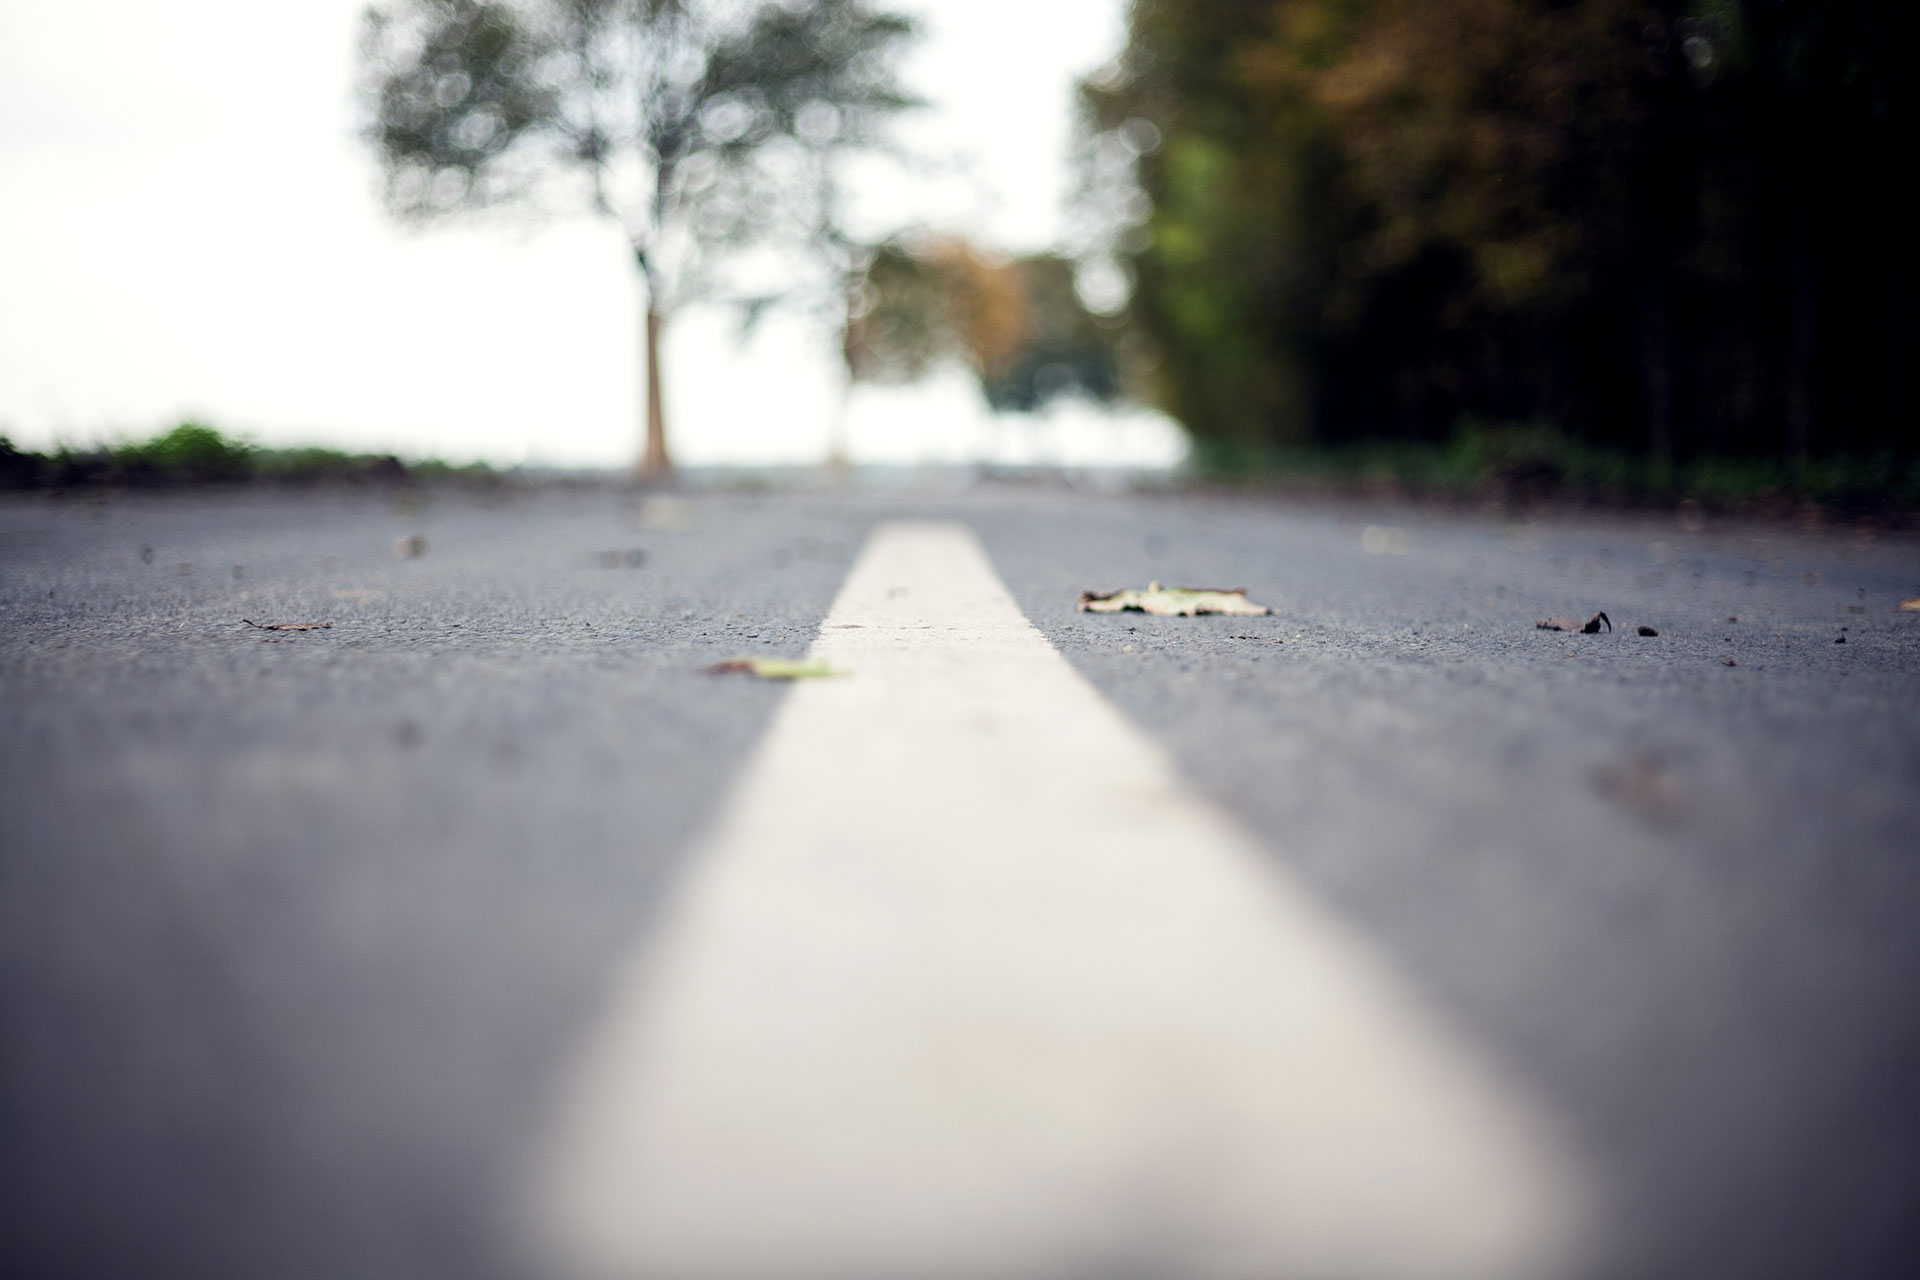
(1675, 225)
(705, 127)
(1016, 323)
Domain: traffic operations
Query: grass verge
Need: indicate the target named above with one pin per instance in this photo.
(194, 454)
(1523, 465)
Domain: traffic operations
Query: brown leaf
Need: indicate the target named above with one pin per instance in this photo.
(1910, 606)
(1590, 627)
(288, 626)
(1173, 602)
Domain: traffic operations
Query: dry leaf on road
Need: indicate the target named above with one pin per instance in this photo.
(1589, 627)
(288, 626)
(1173, 602)
(1910, 606)
(773, 668)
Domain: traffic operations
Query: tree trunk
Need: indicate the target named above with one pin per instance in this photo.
(1896, 352)
(1656, 363)
(654, 464)
(1800, 356)
(839, 465)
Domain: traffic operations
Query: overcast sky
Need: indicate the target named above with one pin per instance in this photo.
(188, 226)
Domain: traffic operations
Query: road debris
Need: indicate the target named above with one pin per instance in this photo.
(1173, 602)
(1729, 662)
(288, 626)
(774, 668)
(1590, 627)
(1839, 639)
(1648, 631)
(1910, 606)
(411, 547)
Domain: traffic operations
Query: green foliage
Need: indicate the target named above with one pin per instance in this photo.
(701, 126)
(191, 453)
(194, 454)
(1065, 349)
(1675, 227)
(1523, 463)
(1017, 323)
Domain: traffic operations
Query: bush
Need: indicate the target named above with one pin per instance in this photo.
(1522, 463)
(191, 453)
(194, 453)
(20, 470)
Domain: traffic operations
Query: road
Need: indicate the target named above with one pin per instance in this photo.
(302, 933)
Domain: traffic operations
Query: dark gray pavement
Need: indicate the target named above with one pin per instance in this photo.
(296, 928)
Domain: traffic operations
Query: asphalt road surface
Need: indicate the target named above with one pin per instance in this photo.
(300, 931)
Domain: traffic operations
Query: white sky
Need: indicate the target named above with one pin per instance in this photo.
(188, 226)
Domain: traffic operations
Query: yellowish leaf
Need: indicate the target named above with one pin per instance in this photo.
(773, 668)
(1173, 602)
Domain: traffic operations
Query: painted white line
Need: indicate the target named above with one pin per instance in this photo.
(969, 985)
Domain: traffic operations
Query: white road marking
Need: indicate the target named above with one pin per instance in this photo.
(968, 984)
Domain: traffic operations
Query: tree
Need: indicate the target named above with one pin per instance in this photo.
(1016, 323)
(703, 127)
(1673, 225)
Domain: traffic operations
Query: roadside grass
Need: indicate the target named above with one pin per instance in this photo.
(1500, 464)
(1524, 465)
(195, 454)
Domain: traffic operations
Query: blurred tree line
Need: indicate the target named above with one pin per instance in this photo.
(1673, 226)
(1016, 323)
